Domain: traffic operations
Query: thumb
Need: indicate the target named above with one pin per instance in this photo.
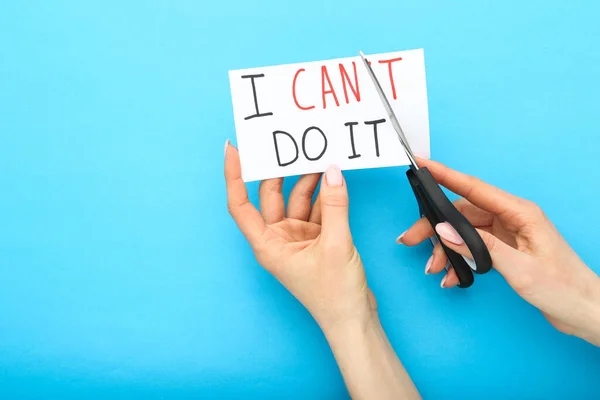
(505, 259)
(334, 206)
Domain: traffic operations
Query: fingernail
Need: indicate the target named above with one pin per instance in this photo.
(226, 146)
(334, 176)
(446, 231)
(443, 282)
(399, 239)
(428, 265)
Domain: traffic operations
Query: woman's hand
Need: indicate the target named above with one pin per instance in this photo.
(308, 249)
(311, 252)
(525, 247)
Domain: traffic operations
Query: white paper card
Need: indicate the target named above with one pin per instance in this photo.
(300, 118)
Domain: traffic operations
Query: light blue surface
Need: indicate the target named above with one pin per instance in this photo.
(123, 276)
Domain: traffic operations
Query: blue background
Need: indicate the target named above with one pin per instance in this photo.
(123, 276)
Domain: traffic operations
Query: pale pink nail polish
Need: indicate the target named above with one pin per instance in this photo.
(446, 231)
(399, 239)
(226, 146)
(334, 176)
(429, 262)
(443, 282)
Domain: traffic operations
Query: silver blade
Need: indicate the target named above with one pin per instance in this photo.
(390, 113)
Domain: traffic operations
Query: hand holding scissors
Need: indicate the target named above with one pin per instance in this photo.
(436, 207)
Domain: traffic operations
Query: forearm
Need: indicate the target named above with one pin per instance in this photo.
(369, 365)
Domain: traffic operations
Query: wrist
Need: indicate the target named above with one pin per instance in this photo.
(343, 332)
(355, 315)
(596, 335)
(590, 331)
(592, 334)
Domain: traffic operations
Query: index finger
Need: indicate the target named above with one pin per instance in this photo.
(245, 215)
(479, 193)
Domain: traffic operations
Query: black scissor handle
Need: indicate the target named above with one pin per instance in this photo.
(436, 207)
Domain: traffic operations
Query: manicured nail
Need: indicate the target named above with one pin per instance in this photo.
(226, 146)
(399, 239)
(334, 176)
(443, 282)
(428, 265)
(446, 231)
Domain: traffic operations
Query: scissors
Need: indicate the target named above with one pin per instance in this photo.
(436, 207)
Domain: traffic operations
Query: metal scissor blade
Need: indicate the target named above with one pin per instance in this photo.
(390, 113)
